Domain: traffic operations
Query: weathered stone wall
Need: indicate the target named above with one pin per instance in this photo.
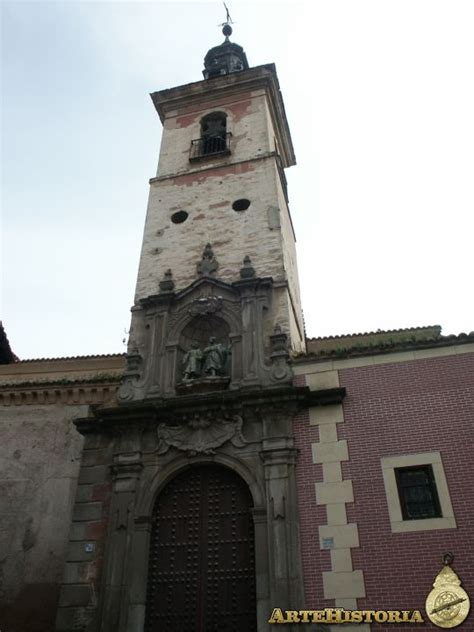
(288, 239)
(84, 560)
(207, 197)
(263, 232)
(206, 191)
(40, 455)
(248, 121)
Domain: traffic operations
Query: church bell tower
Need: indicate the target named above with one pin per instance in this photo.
(200, 527)
(218, 254)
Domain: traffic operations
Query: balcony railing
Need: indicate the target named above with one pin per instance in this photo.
(209, 146)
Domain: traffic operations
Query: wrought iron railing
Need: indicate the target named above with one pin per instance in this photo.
(209, 146)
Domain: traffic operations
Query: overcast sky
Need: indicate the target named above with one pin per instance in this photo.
(380, 100)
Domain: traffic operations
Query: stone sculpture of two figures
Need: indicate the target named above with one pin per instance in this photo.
(210, 362)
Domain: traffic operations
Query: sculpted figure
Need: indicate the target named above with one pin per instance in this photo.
(192, 363)
(215, 358)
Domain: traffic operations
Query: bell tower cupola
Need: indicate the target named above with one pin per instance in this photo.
(226, 58)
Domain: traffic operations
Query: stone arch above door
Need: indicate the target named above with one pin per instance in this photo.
(152, 487)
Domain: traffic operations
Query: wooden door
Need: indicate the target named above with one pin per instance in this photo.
(202, 566)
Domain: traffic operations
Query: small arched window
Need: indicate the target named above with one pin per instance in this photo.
(214, 132)
(214, 136)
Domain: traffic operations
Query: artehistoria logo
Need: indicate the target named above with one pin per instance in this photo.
(447, 605)
(339, 615)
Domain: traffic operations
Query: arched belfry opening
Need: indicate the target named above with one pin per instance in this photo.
(201, 573)
(214, 133)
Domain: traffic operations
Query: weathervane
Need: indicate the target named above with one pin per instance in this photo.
(226, 26)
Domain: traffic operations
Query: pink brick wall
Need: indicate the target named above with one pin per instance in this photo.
(315, 561)
(390, 410)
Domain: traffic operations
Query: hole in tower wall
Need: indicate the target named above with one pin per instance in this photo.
(179, 217)
(241, 205)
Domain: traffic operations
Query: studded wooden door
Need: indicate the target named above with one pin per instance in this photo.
(201, 574)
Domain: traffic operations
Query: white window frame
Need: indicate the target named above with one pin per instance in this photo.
(397, 523)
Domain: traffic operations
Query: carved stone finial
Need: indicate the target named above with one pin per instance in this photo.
(247, 271)
(279, 354)
(134, 361)
(167, 284)
(208, 264)
(278, 340)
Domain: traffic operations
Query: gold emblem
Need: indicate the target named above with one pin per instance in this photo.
(448, 604)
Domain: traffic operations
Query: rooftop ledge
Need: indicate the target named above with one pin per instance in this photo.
(381, 341)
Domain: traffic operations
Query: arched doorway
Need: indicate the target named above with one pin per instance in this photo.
(201, 573)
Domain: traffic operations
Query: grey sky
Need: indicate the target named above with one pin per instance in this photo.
(379, 97)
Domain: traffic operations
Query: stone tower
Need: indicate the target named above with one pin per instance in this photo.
(202, 517)
(218, 227)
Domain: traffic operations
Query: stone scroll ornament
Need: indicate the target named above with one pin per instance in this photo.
(201, 434)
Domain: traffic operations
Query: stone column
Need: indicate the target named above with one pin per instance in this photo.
(254, 296)
(261, 568)
(138, 573)
(279, 458)
(126, 469)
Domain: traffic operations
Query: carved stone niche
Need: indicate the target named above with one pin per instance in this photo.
(222, 322)
(173, 323)
(205, 337)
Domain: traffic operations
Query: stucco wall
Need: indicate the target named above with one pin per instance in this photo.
(40, 455)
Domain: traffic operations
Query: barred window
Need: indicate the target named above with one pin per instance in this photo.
(417, 492)
(214, 132)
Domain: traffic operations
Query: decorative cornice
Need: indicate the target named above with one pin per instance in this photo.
(156, 411)
(214, 167)
(67, 392)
